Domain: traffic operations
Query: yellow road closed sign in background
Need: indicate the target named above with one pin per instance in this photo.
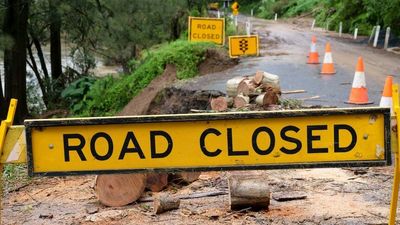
(207, 29)
(290, 139)
(243, 45)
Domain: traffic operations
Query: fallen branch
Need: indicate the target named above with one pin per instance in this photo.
(191, 196)
(294, 92)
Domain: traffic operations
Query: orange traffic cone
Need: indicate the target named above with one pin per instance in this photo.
(359, 91)
(327, 65)
(386, 100)
(313, 57)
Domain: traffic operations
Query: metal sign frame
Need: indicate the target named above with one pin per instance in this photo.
(385, 112)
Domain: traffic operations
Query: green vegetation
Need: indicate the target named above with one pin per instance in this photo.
(109, 95)
(15, 176)
(363, 14)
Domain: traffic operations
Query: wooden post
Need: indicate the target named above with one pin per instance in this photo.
(387, 36)
(5, 124)
(340, 29)
(355, 33)
(313, 25)
(372, 35)
(378, 29)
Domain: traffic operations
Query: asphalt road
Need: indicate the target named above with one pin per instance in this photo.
(284, 47)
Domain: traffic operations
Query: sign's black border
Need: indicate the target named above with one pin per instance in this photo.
(38, 124)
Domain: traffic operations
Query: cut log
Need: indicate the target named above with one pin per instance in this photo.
(119, 189)
(186, 177)
(163, 203)
(244, 87)
(219, 104)
(261, 99)
(232, 85)
(156, 181)
(271, 79)
(258, 78)
(248, 191)
(241, 101)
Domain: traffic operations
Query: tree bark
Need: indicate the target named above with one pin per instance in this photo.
(15, 26)
(163, 203)
(248, 191)
(55, 45)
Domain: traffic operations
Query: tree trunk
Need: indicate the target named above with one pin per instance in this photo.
(55, 45)
(15, 26)
(119, 189)
(248, 191)
(163, 203)
(219, 104)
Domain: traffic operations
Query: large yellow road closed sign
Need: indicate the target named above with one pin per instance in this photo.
(254, 140)
(246, 45)
(207, 29)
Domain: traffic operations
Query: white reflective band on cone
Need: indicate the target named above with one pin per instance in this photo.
(313, 47)
(328, 58)
(359, 80)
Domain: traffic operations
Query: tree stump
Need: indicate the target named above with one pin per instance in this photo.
(119, 189)
(271, 79)
(248, 191)
(156, 181)
(232, 86)
(163, 203)
(219, 104)
(258, 78)
(241, 101)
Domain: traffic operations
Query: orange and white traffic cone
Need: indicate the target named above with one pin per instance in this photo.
(359, 91)
(327, 65)
(313, 57)
(386, 99)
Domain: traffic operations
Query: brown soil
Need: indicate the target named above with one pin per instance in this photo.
(216, 60)
(140, 104)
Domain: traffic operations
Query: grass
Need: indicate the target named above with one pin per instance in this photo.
(109, 95)
(15, 176)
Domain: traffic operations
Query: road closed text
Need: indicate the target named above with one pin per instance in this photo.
(263, 142)
(215, 143)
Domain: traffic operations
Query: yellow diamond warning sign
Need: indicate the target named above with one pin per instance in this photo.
(207, 30)
(243, 45)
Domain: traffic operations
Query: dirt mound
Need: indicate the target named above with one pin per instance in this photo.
(173, 100)
(140, 103)
(217, 60)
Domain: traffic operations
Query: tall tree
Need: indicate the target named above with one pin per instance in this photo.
(55, 43)
(15, 26)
